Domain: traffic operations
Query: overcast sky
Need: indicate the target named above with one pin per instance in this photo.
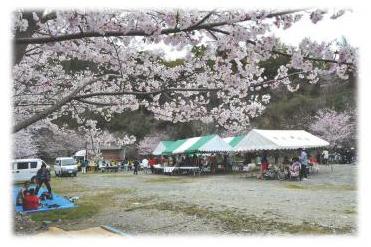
(325, 30)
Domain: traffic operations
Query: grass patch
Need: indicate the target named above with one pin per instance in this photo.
(318, 187)
(295, 186)
(168, 180)
(350, 211)
(235, 222)
(114, 174)
(88, 206)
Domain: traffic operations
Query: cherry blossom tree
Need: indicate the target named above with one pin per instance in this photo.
(123, 74)
(30, 143)
(149, 143)
(24, 145)
(98, 139)
(338, 128)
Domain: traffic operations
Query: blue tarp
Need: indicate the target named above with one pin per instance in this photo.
(58, 202)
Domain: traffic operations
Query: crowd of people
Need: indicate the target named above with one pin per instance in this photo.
(211, 162)
(150, 163)
(298, 167)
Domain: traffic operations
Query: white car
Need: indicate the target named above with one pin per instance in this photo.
(26, 169)
(65, 166)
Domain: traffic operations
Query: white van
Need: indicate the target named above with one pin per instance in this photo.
(65, 166)
(26, 169)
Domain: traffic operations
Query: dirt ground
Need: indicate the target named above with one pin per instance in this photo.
(149, 204)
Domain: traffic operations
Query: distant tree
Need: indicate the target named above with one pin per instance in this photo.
(24, 145)
(149, 143)
(34, 142)
(338, 128)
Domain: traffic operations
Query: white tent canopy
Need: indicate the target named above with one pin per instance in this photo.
(258, 139)
(80, 153)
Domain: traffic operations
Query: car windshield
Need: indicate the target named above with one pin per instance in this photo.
(68, 162)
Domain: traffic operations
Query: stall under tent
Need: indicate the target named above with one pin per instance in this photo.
(258, 139)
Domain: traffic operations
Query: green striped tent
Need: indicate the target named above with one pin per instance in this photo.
(161, 147)
(233, 140)
(203, 144)
(173, 146)
(167, 147)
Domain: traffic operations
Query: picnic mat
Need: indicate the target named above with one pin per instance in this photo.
(58, 202)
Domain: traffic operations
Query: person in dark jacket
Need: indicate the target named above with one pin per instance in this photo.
(43, 177)
(136, 166)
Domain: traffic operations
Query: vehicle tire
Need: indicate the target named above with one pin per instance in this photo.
(75, 174)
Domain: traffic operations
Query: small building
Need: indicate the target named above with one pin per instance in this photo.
(116, 154)
(108, 153)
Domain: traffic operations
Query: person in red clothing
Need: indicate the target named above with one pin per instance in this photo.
(151, 163)
(30, 200)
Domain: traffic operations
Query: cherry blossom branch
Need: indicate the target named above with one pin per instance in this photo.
(204, 19)
(73, 36)
(140, 93)
(81, 98)
(25, 123)
(95, 103)
(312, 58)
(283, 53)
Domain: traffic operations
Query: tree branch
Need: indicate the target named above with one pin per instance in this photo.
(73, 36)
(141, 93)
(286, 54)
(95, 103)
(204, 19)
(25, 123)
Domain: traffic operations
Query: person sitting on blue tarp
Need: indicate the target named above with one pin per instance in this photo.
(30, 200)
(21, 193)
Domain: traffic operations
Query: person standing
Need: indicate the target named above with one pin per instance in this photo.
(84, 164)
(43, 177)
(212, 161)
(276, 157)
(130, 165)
(264, 162)
(145, 165)
(136, 166)
(304, 164)
(318, 157)
(152, 162)
(325, 155)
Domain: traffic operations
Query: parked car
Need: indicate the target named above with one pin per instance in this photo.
(65, 166)
(26, 169)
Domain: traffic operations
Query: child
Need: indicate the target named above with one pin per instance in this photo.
(21, 193)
